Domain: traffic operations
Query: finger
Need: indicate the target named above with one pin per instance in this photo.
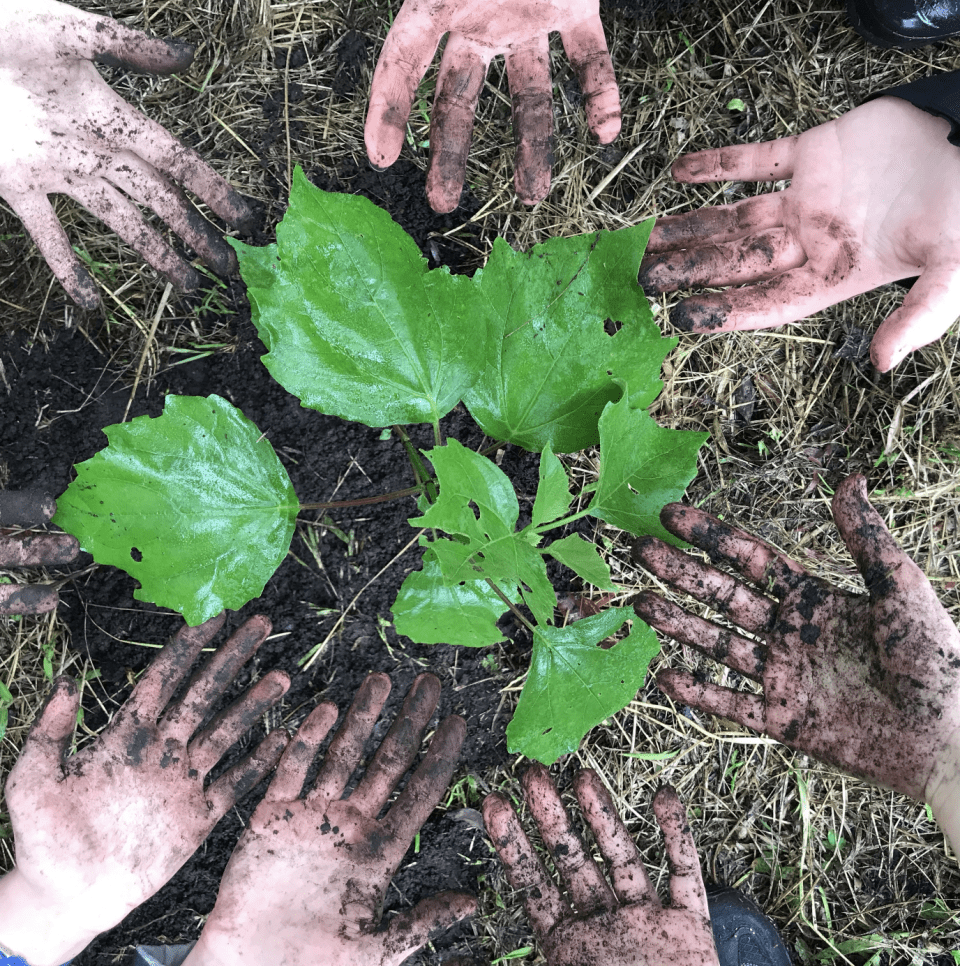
(794, 295)
(208, 683)
(462, 72)
(411, 929)
(630, 880)
(49, 737)
(525, 872)
(743, 708)
(586, 48)
(344, 753)
(726, 263)
(584, 881)
(686, 882)
(238, 781)
(399, 748)
(743, 655)
(228, 727)
(139, 135)
(721, 224)
(152, 190)
(122, 217)
(25, 508)
(170, 667)
(768, 161)
(37, 215)
(772, 571)
(407, 52)
(27, 599)
(929, 309)
(879, 558)
(424, 790)
(287, 784)
(90, 36)
(743, 605)
(37, 549)
(528, 73)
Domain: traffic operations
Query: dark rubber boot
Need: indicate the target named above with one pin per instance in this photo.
(743, 934)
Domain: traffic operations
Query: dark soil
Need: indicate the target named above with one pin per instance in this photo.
(59, 391)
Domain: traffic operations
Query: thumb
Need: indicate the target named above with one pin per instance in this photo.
(879, 558)
(46, 744)
(411, 929)
(928, 310)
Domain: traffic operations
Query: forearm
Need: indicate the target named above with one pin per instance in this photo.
(33, 929)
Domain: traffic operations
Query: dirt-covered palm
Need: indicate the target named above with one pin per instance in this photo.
(66, 132)
(480, 30)
(19, 547)
(871, 201)
(307, 881)
(870, 684)
(98, 832)
(621, 921)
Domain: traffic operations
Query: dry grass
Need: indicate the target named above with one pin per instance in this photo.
(834, 861)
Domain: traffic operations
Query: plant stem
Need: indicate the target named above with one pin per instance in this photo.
(365, 501)
(437, 438)
(513, 607)
(579, 515)
(419, 470)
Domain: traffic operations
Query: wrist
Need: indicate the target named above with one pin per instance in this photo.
(33, 928)
(942, 793)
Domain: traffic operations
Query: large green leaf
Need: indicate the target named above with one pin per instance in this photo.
(489, 545)
(194, 504)
(430, 611)
(550, 367)
(643, 466)
(553, 491)
(573, 684)
(355, 323)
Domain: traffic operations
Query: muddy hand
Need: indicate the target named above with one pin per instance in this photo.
(66, 132)
(870, 202)
(617, 921)
(20, 509)
(307, 881)
(98, 832)
(479, 31)
(869, 683)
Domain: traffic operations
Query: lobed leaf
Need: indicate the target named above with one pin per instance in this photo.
(583, 558)
(573, 684)
(553, 491)
(193, 503)
(431, 611)
(643, 466)
(354, 322)
(550, 366)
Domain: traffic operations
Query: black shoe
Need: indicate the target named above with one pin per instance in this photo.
(743, 934)
(904, 23)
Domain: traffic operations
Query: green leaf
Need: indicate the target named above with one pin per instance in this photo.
(489, 546)
(550, 367)
(553, 491)
(736, 104)
(355, 323)
(583, 558)
(642, 467)
(573, 684)
(194, 504)
(430, 611)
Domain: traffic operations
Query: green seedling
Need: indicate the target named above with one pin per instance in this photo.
(198, 508)
(516, 954)
(6, 702)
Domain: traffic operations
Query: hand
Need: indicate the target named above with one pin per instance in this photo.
(870, 684)
(28, 508)
(307, 881)
(66, 132)
(621, 922)
(871, 201)
(479, 31)
(98, 832)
